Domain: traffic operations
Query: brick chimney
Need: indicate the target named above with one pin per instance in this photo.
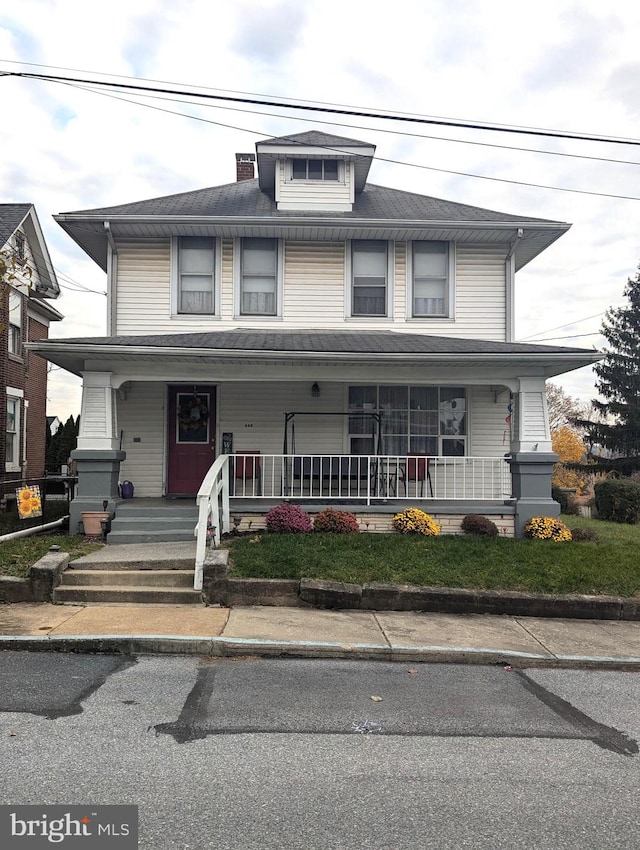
(244, 166)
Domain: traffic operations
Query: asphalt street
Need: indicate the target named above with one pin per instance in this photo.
(264, 753)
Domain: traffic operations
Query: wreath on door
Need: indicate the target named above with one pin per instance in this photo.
(193, 414)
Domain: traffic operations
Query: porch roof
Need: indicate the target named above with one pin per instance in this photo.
(311, 346)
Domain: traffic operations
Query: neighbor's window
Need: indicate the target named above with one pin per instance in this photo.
(258, 277)
(13, 434)
(20, 247)
(196, 274)
(426, 420)
(430, 278)
(15, 322)
(314, 169)
(369, 270)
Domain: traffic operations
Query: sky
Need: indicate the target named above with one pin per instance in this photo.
(562, 66)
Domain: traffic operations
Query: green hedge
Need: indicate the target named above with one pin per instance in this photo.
(618, 500)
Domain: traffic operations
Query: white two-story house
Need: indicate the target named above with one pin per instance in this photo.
(318, 339)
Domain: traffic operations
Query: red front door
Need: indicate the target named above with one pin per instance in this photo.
(191, 437)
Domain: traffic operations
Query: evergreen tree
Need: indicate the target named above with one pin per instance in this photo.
(619, 382)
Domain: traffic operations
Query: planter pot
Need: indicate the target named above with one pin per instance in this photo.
(92, 522)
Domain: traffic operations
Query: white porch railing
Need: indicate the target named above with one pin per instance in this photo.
(366, 478)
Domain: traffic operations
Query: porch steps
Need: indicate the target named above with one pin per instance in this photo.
(152, 574)
(138, 521)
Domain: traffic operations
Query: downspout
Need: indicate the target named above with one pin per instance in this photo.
(112, 277)
(509, 283)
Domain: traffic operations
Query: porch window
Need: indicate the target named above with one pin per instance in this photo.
(15, 322)
(314, 169)
(259, 277)
(430, 278)
(369, 270)
(427, 420)
(196, 274)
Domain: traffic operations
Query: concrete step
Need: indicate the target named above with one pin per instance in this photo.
(170, 508)
(140, 556)
(145, 534)
(127, 578)
(118, 595)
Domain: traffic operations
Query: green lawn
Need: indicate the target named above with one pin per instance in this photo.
(17, 556)
(610, 566)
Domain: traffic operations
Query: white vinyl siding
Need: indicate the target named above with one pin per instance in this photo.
(142, 414)
(489, 433)
(314, 283)
(316, 291)
(336, 195)
(143, 295)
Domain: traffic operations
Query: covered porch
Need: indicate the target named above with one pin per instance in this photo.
(381, 418)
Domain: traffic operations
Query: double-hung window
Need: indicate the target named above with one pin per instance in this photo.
(15, 322)
(369, 271)
(258, 277)
(196, 275)
(12, 429)
(430, 264)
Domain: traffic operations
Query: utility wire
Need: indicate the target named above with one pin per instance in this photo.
(384, 116)
(377, 158)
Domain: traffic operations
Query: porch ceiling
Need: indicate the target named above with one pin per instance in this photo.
(308, 348)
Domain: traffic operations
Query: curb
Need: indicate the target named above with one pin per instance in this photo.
(231, 592)
(221, 647)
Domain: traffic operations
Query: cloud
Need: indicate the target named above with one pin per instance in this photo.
(267, 33)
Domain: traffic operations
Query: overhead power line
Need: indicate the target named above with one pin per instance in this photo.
(282, 104)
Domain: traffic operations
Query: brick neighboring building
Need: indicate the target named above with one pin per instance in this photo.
(28, 284)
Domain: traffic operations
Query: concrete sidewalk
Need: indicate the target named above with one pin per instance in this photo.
(307, 632)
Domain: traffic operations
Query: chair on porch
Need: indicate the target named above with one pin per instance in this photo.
(247, 468)
(416, 469)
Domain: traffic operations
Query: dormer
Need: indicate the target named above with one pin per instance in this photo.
(313, 171)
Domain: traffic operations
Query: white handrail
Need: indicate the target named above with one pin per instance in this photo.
(213, 512)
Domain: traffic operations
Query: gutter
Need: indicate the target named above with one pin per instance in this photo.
(509, 284)
(112, 277)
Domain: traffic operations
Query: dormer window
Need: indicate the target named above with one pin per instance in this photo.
(314, 169)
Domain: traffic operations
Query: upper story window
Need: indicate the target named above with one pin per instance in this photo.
(196, 275)
(15, 322)
(369, 273)
(259, 277)
(314, 169)
(430, 279)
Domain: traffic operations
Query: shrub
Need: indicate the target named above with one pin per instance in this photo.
(336, 522)
(287, 519)
(588, 534)
(415, 521)
(618, 500)
(561, 497)
(546, 528)
(479, 525)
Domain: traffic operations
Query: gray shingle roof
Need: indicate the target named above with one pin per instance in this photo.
(244, 199)
(321, 341)
(11, 217)
(315, 138)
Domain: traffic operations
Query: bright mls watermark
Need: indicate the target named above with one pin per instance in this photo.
(38, 827)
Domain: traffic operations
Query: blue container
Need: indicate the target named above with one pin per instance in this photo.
(126, 490)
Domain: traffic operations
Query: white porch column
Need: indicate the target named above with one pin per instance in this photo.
(98, 427)
(531, 432)
(98, 454)
(532, 458)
